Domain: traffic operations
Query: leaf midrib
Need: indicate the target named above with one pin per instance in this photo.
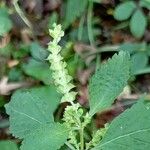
(125, 135)
(24, 114)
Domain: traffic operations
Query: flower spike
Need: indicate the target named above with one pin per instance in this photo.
(60, 74)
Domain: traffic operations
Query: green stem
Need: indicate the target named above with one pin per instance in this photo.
(107, 48)
(70, 146)
(89, 23)
(98, 62)
(82, 138)
(80, 30)
(87, 148)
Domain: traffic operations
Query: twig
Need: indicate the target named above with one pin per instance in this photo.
(21, 14)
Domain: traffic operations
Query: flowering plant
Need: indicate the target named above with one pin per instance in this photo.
(32, 119)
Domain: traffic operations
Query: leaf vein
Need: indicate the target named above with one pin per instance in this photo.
(125, 135)
(24, 114)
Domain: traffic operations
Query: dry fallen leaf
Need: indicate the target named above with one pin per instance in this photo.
(6, 88)
(52, 4)
(83, 95)
(4, 41)
(83, 75)
(12, 63)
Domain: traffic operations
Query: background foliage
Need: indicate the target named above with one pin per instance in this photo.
(94, 31)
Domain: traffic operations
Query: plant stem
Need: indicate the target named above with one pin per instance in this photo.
(21, 14)
(98, 62)
(80, 30)
(107, 48)
(82, 138)
(89, 23)
(70, 146)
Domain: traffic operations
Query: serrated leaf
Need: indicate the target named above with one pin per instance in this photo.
(129, 131)
(39, 70)
(49, 137)
(8, 145)
(124, 10)
(50, 94)
(136, 29)
(74, 9)
(108, 82)
(29, 109)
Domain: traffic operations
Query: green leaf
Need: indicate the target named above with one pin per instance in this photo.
(22, 52)
(5, 25)
(124, 10)
(52, 18)
(7, 50)
(50, 94)
(39, 70)
(97, 1)
(145, 3)
(29, 109)
(138, 24)
(48, 137)
(74, 34)
(4, 11)
(74, 9)
(108, 82)
(5, 22)
(15, 74)
(138, 62)
(38, 52)
(133, 47)
(2, 101)
(8, 145)
(129, 131)
(145, 70)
